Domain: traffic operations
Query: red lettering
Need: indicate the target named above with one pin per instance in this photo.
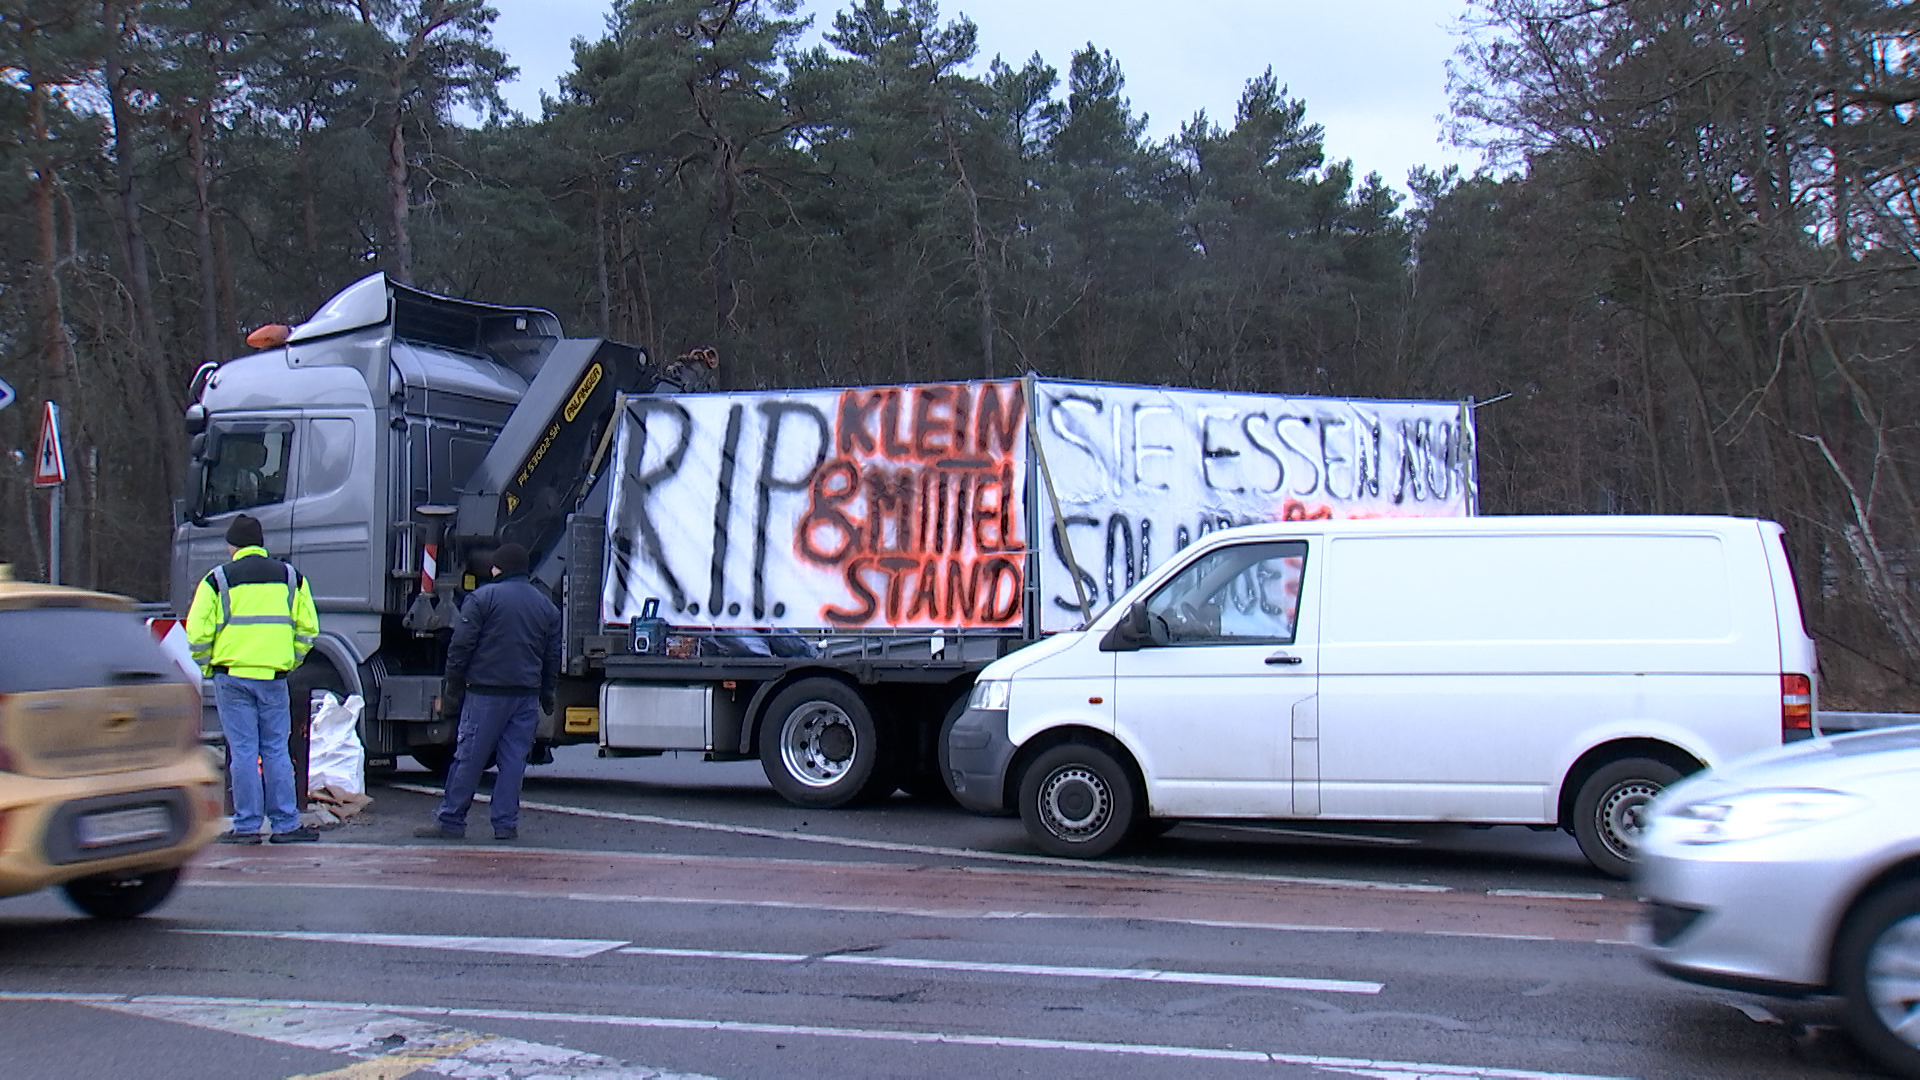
(890, 441)
(856, 416)
(857, 588)
(933, 430)
(836, 482)
(926, 592)
(997, 425)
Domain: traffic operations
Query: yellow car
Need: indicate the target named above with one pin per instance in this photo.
(104, 788)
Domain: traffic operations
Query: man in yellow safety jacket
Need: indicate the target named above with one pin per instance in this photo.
(252, 621)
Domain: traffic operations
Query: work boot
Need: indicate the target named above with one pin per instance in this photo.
(239, 838)
(302, 835)
(506, 834)
(435, 832)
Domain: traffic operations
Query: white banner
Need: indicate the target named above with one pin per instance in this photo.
(864, 509)
(1141, 472)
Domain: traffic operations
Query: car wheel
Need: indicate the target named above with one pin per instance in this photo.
(1077, 801)
(1877, 974)
(1611, 808)
(819, 746)
(122, 896)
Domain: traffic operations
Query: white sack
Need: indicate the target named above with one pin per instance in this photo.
(335, 757)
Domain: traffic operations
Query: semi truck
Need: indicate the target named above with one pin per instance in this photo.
(810, 577)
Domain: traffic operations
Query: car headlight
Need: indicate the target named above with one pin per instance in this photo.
(1756, 815)
(991, 695)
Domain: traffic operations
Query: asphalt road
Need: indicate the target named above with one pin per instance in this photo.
(667, 917)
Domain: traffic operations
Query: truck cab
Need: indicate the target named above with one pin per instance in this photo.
(353, 438)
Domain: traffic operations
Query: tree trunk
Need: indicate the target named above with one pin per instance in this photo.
(600, 257)
(151, 356)
(203, 233)
(402, 255)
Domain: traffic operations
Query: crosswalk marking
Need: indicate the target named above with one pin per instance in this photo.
(1397, 1070)
(390, 1046)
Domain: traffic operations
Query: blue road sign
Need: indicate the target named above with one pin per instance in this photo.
(6, 394)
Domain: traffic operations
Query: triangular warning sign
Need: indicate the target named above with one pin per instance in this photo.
(49, 463)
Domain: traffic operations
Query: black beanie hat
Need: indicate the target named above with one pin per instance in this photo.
(245, 532)
(510, 559)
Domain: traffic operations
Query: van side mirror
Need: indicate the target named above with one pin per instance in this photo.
(1132, 633)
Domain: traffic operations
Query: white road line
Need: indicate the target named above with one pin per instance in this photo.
(1198, 978)
(1490, 937)
(1357, 838)
(394, 1045)
(1546, 894)
(792, 905)
(1406, 1069)
(562, 948)
(580, 948)
(957, 853)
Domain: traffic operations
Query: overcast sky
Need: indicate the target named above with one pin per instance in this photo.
(1372, 72)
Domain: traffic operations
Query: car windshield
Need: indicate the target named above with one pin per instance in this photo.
(66, 648)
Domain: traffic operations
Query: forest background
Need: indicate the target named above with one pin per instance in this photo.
(1690, 288)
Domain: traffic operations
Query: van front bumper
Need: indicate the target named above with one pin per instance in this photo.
(978, 752)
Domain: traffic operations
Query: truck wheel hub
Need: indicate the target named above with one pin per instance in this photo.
(818, 744)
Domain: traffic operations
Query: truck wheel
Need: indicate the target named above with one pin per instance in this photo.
(1873, 965)
(924, 775)
(818, 744)
(1611, 808)
(437, 760)
(122, 896)
(1077, 801)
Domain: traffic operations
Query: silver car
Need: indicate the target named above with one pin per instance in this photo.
(1796, 872)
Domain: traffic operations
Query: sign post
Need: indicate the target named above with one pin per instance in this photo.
(50, 471)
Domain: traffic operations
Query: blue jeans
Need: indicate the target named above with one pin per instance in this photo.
(493, 727)
(254, 717)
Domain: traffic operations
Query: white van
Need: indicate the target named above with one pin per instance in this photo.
(1545, 671)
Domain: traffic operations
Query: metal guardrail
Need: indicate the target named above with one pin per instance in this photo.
(1834, 723)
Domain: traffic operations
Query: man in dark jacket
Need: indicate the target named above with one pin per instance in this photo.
(502, 671)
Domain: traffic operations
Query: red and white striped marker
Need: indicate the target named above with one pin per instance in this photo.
(171, 634)
(429, 566)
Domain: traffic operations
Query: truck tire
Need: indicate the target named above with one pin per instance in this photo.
(819, 746)
(437, 760)
(314, 676)
(122, 896)
(924, 776)
(1609, 811)
(1077, 801)
(1873, 959)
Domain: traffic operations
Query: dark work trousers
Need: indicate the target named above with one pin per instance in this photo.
(497, 727)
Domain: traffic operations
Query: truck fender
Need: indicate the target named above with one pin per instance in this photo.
(338, 653)
(756, 705)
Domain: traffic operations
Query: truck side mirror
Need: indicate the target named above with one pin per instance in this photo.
(196, 491)
(1132, 633)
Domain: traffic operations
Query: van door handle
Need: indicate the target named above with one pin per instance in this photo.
(1283, 658)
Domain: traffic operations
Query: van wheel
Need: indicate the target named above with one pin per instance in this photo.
(122, 896)
(818, 744)
(1611, 810)
(1077, 801)
(1873, 971)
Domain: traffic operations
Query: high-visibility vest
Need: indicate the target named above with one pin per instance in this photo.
(252, 617)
